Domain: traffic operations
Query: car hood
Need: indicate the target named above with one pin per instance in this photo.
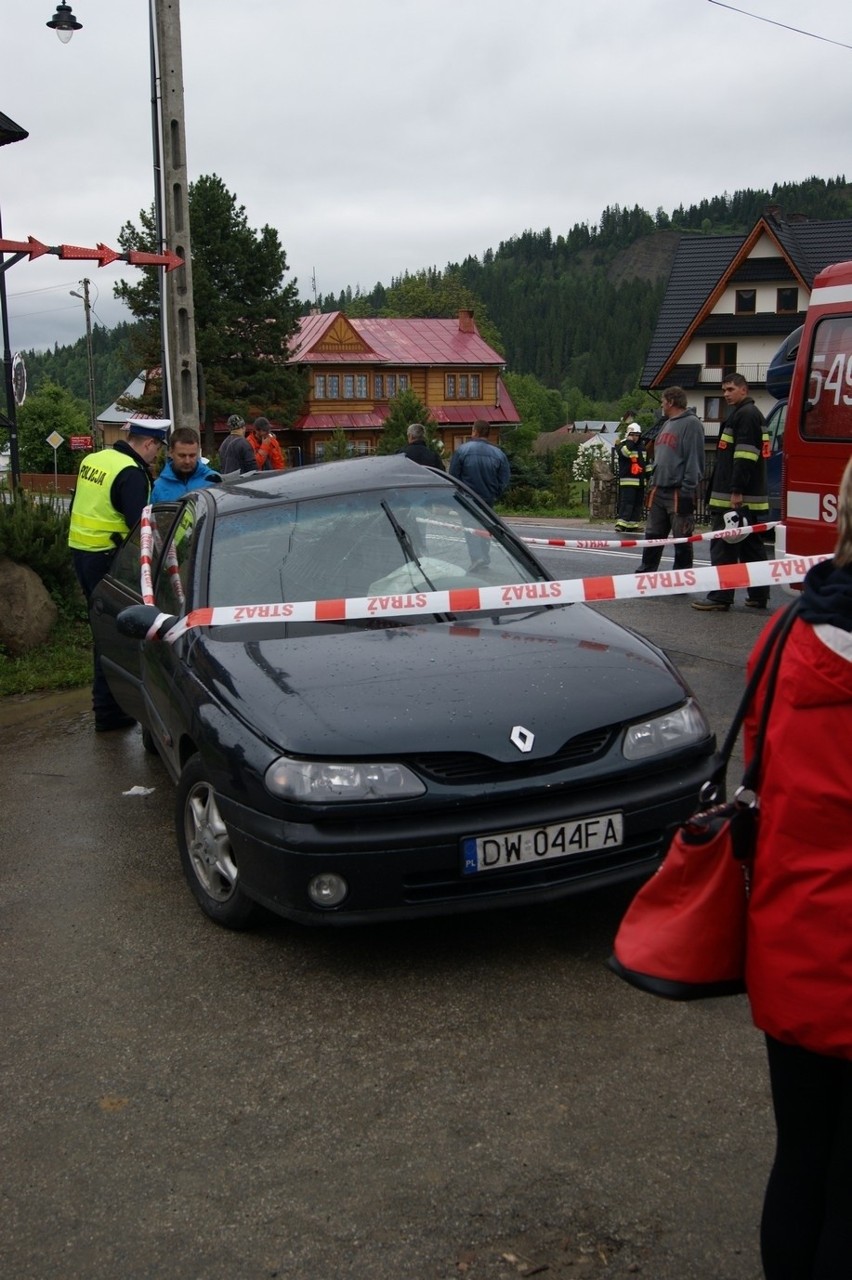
(347, 691)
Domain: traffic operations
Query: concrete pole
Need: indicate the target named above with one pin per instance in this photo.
(178, 312)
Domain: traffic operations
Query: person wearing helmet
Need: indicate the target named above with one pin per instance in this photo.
(630, 456)
(235, 452)
(738, 488)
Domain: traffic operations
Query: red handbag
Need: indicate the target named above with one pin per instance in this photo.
(683, 936)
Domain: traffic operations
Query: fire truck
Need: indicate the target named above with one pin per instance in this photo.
(817, 437)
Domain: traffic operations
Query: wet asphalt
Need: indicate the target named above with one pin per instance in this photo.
(471, 1097)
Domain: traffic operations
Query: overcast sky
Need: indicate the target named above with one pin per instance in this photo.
(385, 135)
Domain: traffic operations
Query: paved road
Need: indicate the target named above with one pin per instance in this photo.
(472, 1097)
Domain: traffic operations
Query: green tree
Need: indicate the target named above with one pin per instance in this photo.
(537, 405)
(337, 447)
(50, 409)
(404, 409)
(245, 315)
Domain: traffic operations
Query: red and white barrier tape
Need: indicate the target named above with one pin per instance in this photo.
(519, 595)
(594, 544)
(602, 544)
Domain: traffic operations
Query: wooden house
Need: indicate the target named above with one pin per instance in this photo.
(356, 367)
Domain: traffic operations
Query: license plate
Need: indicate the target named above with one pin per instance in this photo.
(537, 844)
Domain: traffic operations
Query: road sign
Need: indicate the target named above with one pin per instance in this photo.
(55, 439)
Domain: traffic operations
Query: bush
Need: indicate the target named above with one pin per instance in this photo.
(34, 532)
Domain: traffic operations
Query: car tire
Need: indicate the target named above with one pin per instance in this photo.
(205, 851)
(149, 746)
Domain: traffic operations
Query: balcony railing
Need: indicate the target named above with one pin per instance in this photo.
(753, 373)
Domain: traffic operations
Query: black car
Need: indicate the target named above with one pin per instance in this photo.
(388, 766)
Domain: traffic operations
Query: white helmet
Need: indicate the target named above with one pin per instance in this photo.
(735, 520)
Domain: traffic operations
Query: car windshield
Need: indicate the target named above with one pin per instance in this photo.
(374, 543)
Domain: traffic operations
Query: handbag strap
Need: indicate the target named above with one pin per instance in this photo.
(752, 772)
(771, 650)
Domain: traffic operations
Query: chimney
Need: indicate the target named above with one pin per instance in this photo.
(466, 324)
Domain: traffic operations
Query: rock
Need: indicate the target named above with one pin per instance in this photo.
(27, 615)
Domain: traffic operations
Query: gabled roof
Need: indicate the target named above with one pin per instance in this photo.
(700, 262)
(335, 338)
(705, 265)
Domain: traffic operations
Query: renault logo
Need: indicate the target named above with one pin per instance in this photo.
(522, 738)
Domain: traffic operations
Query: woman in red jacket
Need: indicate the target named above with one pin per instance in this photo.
(799, 968)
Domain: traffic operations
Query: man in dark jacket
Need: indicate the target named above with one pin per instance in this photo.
(678, 471)
(739, 485)
(235, 452)
(418, 450)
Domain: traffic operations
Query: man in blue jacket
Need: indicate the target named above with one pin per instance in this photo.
(485, 469)
(184, 469)
(481, 465)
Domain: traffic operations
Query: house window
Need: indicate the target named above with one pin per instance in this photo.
(721, 355)
(746, 303)
(390, 381)
(378, 387)
(462, 386)
(788, 301)
(319, 386)
(403, 382)
(361, 386)
(348, 386)
(713, 409)
(333, 386)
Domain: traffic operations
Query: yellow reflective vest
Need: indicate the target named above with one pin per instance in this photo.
(93, 517)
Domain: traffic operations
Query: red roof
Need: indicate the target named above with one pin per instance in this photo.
(418, 341)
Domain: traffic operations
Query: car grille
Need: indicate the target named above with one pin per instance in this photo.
(463, 767)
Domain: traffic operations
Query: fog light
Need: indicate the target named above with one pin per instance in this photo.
(327, 890)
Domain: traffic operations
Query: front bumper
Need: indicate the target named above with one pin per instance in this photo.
(411, 865)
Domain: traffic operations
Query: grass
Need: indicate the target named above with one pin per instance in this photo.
(65, 662)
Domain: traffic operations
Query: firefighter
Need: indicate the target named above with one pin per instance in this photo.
(631, 480)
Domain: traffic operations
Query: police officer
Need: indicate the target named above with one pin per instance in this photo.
(113, 487)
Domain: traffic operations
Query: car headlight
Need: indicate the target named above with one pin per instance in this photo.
(321, 781)
(675, 729)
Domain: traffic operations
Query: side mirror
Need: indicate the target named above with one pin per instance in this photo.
(138, 622)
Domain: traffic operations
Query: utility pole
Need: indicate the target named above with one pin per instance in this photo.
(180, 385)
(90, 360)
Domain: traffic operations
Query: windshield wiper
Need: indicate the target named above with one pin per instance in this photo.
(404, 540)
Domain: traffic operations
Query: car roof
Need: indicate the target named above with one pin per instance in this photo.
(325, 479)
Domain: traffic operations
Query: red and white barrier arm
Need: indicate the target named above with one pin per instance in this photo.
(593, 544)
(521, 595)
(603, 544)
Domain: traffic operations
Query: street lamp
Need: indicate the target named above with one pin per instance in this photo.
(90, 359)
(171, 204)
(9, 132)
(64, 23)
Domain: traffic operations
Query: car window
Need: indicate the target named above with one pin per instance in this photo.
(125, 565)
(173, 569)
(362, 544)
